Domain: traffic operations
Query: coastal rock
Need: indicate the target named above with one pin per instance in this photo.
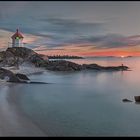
(22, 76)
(20, 55)
(17, 55)
(137, 99)
(38, 61)
(8, 75)
(108, 68)
(62, 65)
(11, 77)
(91, 66)
(126, 100)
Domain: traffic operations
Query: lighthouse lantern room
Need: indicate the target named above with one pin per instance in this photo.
(17, 39)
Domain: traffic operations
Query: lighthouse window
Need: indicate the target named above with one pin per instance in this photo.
(17, 38)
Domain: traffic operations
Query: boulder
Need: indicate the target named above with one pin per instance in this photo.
(137, 98)
(126, 100)
(22, 76)
(11, 77)
(8, 75)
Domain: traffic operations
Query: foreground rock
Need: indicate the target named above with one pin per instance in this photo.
(11, 77)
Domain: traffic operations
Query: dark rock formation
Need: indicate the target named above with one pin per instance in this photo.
(8, 75)
(22, 76)
(126, 100)
(62, 65)
(11, 77)
(37, 61)
(110, 68)
(137, 99)
(18, 55)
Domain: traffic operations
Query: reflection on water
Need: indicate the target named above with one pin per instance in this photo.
(86, 103)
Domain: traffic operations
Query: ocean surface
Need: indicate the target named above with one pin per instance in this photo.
(85, 103)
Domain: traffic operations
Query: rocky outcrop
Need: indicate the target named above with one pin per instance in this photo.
(126, 100)
(8, 75)
(18, 55)
(22, 76)
(62, 65)
(11, 77)
(99, 68)
(137, 99)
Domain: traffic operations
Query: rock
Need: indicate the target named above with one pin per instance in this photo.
(18, 55)
(126, 100)
(11, 77)
(92, 66)
(8, 75)
(37, 61)
(137, 98)
(62, 65)
(22, 76)
(98, 67)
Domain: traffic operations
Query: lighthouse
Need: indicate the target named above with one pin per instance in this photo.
(17, 39)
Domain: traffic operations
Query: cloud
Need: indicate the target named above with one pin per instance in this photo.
(54, 31)
(69, 26)
(108, 41)
(48, 49)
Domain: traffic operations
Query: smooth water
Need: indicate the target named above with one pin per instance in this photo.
(85, 103)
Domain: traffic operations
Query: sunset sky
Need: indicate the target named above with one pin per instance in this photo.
(73, 28)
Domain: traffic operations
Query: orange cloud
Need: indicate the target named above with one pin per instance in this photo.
(80, 49)
(90, 51)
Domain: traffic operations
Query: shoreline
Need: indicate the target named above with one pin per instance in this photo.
(13, 121)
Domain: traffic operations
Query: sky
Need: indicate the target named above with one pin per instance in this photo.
(82, 28)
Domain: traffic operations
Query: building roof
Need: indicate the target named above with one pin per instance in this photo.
(17, 34)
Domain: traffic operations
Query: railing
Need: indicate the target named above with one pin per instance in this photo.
(16, 44)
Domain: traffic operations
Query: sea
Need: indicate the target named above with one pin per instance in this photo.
(84, 103)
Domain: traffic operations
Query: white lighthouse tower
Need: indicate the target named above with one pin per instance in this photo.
(17, 39)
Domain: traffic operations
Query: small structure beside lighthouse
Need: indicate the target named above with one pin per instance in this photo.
(17, 39)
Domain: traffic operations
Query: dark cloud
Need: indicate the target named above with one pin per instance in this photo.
(56, 30)
(108, 41)
(47, 49)
(59, 30)
(37, 19)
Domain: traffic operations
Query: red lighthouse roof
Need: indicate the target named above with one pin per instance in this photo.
(17, 34)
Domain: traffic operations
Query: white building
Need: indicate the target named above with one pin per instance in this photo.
(17, 39)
